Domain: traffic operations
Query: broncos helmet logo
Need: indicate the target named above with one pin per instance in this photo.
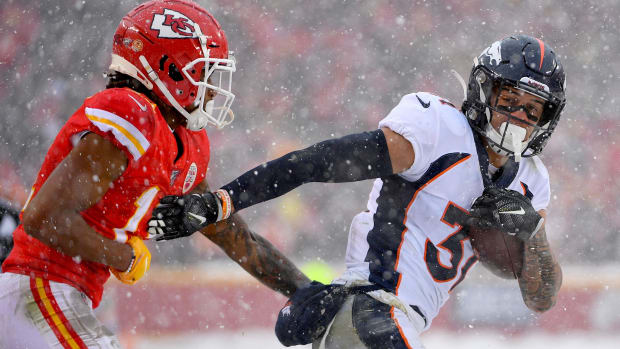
(494, 53)
(173, 25)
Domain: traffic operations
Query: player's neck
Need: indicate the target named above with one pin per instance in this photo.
(173, 118)
(173, 121)
(494, 158)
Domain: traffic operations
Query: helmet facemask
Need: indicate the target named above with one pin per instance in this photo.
(215, 112)
(482, 105)
(217, 78)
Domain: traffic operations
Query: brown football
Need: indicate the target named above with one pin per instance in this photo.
(500, 253)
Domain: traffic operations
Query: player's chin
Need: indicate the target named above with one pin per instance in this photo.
(191, 108)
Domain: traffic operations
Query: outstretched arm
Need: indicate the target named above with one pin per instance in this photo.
(541, 276)
(256, 255)
(350, 158)
(347, 159)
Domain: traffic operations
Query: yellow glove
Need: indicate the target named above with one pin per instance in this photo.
(139, 264)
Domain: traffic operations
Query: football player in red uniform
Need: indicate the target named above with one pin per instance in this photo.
(125, 148)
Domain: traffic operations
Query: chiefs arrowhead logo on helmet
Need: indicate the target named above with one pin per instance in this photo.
(173, 25)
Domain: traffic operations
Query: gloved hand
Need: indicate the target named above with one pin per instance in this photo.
(139, 264)
(506, 210)
(180, 216)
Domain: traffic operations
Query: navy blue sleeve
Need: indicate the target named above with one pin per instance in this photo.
(350, 158)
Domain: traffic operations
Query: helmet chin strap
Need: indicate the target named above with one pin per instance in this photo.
(513, 139)
(197, 120)
(193, 123)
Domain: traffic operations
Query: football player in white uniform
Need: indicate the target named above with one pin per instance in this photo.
(431, 160)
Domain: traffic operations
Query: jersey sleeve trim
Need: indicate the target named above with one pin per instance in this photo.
(143, 205)
(124, 132)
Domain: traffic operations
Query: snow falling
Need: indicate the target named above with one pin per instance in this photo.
(313, 70)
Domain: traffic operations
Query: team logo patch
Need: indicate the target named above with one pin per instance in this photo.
(190, 178)
(494, 53)
(137, 45)
(173, 25)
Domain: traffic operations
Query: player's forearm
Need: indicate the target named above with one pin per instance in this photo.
(69, 234)
(256, 255)
(541, 276)
(351, 158)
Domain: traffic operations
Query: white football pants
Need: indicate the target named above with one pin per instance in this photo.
(37, 313)
(342, 334)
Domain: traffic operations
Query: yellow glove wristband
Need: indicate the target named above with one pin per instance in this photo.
(139, 265)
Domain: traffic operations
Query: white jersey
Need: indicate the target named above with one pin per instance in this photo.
(408, 241)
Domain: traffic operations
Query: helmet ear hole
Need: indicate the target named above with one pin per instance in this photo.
(174, 73)
(163, 60)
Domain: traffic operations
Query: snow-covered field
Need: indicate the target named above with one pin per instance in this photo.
(264, 339)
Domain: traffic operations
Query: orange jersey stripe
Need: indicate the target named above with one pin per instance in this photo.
(400, 330)
(120, 129)
(415, 195)
(53, 315)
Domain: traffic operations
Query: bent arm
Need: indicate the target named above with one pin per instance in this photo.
(541, 276)
(253, 253)
(350, 158)
(78, 182)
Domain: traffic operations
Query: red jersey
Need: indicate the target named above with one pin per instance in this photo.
(134, 124)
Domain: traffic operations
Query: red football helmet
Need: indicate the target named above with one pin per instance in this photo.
(175, 48)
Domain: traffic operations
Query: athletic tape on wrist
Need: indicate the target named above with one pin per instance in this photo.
(226, 203)
(133, 259)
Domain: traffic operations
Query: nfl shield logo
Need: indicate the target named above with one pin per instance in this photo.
(173, 176)
(190, 178)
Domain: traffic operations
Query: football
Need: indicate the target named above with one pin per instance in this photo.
(500, 253)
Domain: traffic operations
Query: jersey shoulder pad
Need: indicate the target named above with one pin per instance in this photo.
(430, 101)
(425, 103)
(428, 112)
(416, 120)
(129, 116)
(539, 167)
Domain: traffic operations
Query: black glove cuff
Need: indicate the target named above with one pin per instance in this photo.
(212, 209)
